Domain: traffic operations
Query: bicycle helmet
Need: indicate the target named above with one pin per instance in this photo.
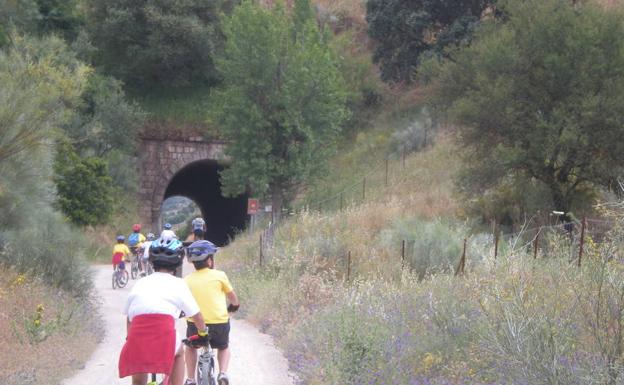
(200, 250)
(121, 238)
(150, 236)
(167, 226)
(136, 227)
(166, 253)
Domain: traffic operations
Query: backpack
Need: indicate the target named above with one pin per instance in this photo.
(133, 239)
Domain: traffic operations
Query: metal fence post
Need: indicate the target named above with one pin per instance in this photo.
(582, 243)
(261, 246)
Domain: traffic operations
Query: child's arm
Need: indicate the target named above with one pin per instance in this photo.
(198, 319)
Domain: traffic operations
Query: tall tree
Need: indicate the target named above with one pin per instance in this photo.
(168, 42)
(407, 30)
(283, 100)
(540, 98)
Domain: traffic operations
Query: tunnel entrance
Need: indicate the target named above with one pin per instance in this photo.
(199, 181)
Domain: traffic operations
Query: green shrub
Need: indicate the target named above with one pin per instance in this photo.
(431, 246)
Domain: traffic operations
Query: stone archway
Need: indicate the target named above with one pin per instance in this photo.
(188, 168)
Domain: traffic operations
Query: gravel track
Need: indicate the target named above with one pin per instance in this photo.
(255, 359)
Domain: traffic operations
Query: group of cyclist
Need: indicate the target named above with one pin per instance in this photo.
(205, 297)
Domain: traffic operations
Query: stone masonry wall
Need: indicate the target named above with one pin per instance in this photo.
(159, 161)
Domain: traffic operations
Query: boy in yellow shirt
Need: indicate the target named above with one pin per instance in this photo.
(212, 290)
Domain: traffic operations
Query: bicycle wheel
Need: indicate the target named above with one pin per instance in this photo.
(205, 371)
(134, 268)
(123, 278)
(212, 377)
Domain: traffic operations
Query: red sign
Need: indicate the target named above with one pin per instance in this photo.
(252, 206)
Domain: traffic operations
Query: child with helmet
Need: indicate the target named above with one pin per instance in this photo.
(168, 232)
(121, 253)
(212, 290)
(153, 305)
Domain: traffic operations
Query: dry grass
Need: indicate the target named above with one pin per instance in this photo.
(47, 350)
(421, 189)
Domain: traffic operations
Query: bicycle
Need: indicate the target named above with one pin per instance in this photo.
(120, 276)
(205, 363)
(136, 266)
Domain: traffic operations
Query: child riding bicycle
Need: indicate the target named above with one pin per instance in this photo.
(121, 253)
(152, 308)
(212, 290)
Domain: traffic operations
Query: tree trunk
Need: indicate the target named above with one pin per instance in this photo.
(277, 200)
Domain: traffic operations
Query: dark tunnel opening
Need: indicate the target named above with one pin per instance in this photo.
(199, 181)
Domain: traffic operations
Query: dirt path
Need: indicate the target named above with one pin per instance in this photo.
(255, 360)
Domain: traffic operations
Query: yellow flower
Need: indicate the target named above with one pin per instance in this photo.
(430, 360)
(19, 280)
(40, 308)
(37, 322)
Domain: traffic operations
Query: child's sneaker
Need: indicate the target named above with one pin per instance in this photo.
(190, 382)
(222, 379)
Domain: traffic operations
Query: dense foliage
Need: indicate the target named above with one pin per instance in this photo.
(540, 101)
(40, 17)
(283, 101)
(85, 190)
(165, 42)
(39, 90)
(406, 31)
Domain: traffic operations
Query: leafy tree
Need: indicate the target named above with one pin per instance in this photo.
(407, 30)
(37, 96)
(283, 100)
(104, 121)
(41, 17)
(84, 187)
(540, 98)
(59, 16)
(169, 42)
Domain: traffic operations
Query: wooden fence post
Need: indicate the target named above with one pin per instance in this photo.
(349, 266)
(403, 155)
(402, 255)
(496, 239)
(386, 172)
(536, 242)
(582, 243)
(462, 261)
(364, 189)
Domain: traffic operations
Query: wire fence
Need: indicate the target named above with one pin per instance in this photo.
(385, 173)
(534, 237)
(536, 241)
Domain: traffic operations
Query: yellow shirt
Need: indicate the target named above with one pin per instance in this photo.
(209, 288)
(121, 248)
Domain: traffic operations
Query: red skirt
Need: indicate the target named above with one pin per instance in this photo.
(150, 346)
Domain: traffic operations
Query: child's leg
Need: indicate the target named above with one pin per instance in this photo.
(177, 372)
(139, 379)
(190, 356)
